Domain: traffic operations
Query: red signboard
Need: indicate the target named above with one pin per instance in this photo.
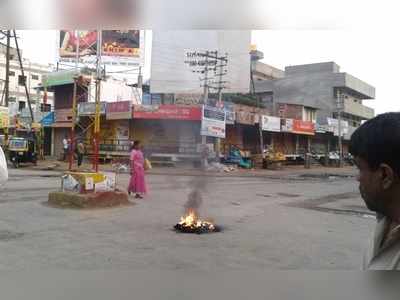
(167, 112)
(303, 127)
(119, 110)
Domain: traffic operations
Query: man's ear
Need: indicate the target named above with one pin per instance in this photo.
(388, 176)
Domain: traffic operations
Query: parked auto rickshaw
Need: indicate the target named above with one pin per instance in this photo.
(22, 150)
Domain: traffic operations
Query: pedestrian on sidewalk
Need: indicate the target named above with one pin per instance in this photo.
(3, 167)
(137, 184)
(66, 145)
(80, 152)
(375, 146)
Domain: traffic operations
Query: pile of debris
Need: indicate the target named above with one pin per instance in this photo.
(218, 167)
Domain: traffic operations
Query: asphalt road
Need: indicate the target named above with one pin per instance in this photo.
(290, 223)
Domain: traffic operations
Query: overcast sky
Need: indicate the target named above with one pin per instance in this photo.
(369, 55)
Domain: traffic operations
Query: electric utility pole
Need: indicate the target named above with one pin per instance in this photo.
(259, 106)
(223, 63)
(340, 98)
(7, 83)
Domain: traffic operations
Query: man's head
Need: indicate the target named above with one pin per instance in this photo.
(376, 149)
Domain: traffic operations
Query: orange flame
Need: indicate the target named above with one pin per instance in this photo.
(192, 220)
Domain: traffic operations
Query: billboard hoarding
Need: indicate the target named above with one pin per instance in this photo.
(121, 43)
(229, 113)
(119, 110)
(213, 122)
(334, 126)
(303, 127)
(89, 108)
(287, 125)
(170, 49)
(48, 120)
(297, 126)
(269, 123)
(321, 128)
(119, 47)
(188, 99)
(73, 41)
(167, 112)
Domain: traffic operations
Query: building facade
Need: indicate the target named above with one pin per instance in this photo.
(33, 77)
(314, 89)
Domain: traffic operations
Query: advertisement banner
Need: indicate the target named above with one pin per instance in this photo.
(119, 110)
(72, 41)
(89, 108)
(4, 118)
(334, 126)
(121, 43)
(213, 122)
(120, 47)
(319, 128)
(244, 117)
(48, 120)
(230, 113)
(122, 130)
(167, 112)
(303, 127)
(269, 123)
(188, 99)
(287, 125)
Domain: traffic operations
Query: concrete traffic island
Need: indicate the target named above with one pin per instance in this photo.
(90, 200)
(85, 190)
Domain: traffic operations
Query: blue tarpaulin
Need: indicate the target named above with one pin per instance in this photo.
(48, 119)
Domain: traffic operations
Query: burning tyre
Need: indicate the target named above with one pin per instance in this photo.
(191, 223)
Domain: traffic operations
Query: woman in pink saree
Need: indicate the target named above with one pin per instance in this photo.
(137, 184)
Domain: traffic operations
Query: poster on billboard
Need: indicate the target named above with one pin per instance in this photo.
(269, 123)
(119, 47)
(72, 41)
(170, 72)
(121, 43)
(213, 122)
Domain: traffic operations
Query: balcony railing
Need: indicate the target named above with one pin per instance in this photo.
(358, 109)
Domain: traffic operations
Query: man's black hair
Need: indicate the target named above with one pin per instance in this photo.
(377, 141)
